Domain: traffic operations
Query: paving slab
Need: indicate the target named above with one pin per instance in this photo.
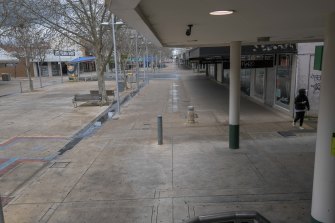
(120, 174)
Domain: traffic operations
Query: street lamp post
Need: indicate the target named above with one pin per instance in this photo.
(60, 65)
(116, 67)
(137, 65)
(115, 61)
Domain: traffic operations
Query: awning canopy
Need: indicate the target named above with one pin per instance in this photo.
(83, 59)
(6, 58)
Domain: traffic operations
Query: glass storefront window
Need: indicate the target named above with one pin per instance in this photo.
(212, 70)
(226, 76)
(283, 80)
(245, 81)
(55, 69)
(259, 83)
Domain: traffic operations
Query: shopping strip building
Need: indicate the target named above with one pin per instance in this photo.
(167, 23)
(271, 74)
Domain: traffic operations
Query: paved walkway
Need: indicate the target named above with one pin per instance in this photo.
(120, 174)
(36, 125)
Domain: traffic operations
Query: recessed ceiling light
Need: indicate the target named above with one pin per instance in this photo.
(225, 12)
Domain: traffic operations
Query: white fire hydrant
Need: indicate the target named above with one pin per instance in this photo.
(191, 114)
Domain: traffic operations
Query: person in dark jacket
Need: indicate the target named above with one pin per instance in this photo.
(301, 104)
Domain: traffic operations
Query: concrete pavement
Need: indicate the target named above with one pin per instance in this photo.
(120, 174)
(36, 125)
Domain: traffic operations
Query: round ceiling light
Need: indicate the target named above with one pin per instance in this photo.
(225, 12)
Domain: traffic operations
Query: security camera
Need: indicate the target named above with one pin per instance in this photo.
(189, 30)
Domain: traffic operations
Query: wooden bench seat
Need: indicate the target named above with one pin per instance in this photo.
(96, 92)
(86, 98)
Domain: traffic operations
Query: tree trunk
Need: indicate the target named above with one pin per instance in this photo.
(40, 73)
(101, 78)
(31, 84)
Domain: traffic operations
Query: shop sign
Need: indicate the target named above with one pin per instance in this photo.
(248, 64)
(64, 53)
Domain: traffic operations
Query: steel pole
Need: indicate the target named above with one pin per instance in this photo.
(160, 129)
(60, 66)
(137, 65)
(116, 67)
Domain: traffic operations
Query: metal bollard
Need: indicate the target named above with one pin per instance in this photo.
(190, 114)
(2, 219)
(160, 129)
(21, 86)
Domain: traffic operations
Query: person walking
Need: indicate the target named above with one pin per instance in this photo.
(301, 103)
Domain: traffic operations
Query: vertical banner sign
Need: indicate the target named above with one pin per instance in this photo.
(333, 145)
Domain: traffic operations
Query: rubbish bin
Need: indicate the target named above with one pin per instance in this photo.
(5, 77)
(121, 86)
(231, 217)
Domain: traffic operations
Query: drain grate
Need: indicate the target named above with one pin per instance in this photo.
(287, 134)
(70, 145)
(59, 164)
(146, 126)
(5, 200)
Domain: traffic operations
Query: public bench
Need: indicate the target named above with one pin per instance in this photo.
(96, 92)
(87, 98)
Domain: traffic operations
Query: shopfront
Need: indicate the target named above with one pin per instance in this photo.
(283, 80)
(266, 71)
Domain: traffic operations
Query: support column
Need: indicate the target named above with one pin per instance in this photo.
(234, 95)
(323, 201)
(50, 69)
(35, 68)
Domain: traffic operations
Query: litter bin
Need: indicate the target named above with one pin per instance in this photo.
(121, 86)
(6, 77)
(231, 217)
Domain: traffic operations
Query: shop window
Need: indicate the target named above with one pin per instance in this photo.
(283, 80)
(55, 69)
(212, 70)
(226, 76)
(259, 83)
(284, 60)
(245, 81)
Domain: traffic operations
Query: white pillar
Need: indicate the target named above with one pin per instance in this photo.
(35, 68)
(323, 201)
(49, 69)
(234, 94)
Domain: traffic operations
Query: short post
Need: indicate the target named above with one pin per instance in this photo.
(160, 129)
(21, 86)
(190, 114)
(2, 219)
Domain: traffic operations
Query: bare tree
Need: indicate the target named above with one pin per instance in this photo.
(7, 18)
(3, 16)
(79, 21)
(125, 48)
(3, 13)
(21, 40)
(41, 46)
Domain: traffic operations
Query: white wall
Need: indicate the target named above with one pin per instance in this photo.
(306, 76)
(219, 72)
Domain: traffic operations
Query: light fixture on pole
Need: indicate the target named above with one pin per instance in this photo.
(115, 60)
(136, 37)
(137, 65)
